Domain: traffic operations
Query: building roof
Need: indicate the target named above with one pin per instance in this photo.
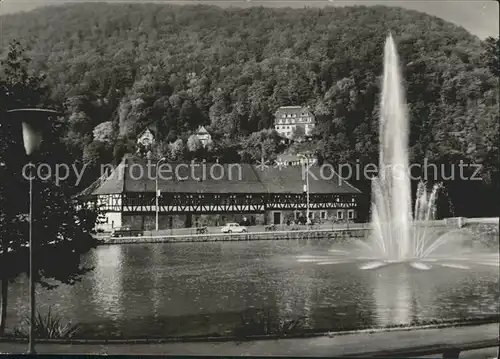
(289, 158)
(138, 175)
(151, 127)
(298, 110)
(292, 180)
(201, 130)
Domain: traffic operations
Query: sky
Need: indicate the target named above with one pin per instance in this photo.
(480, 17)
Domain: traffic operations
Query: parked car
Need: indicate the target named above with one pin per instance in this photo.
(233, 228)
(125, 232)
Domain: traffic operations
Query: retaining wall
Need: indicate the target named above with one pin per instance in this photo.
(358, 230)
(280, 235)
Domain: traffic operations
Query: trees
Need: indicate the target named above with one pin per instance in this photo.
(104, 132)
(490, 54)
(176, 150)
(265, 143)
(193, 143)
(257, 60)
(67, 228)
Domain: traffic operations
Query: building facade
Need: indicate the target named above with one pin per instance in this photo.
(147, 137)
(203, 136)
(289, 118)
(212, 194)
(295, 160)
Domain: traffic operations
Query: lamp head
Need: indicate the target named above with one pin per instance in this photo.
(34, 123)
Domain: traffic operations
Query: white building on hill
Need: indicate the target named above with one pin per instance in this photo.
(289, 118)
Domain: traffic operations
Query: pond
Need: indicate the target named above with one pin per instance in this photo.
(154, 290)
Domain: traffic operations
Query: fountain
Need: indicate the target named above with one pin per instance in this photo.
(396, 236)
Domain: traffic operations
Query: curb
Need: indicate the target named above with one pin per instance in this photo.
(254, 337)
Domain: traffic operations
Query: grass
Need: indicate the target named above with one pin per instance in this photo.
(49, 326)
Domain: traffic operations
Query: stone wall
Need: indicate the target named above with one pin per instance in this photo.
(279, 235)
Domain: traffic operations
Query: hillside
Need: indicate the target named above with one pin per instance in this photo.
(182, 66)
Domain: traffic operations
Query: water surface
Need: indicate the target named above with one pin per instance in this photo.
(140, 290)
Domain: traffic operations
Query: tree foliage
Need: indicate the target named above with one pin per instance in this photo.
(62, 229)
(230, 69)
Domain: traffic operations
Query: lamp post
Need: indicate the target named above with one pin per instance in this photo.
(306, 187)
(32, 121)
(157, 192)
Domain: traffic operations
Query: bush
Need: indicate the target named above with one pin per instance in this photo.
(48, 327)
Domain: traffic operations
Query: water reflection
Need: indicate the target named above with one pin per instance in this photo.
(295, 292)
(105, 281)
(393, 295)
(156, 279)
(466, 296)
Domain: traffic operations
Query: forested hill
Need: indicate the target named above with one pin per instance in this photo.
(182, 66)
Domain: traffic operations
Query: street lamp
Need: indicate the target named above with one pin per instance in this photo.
(157, 192)
(33, 122)
(306, 186)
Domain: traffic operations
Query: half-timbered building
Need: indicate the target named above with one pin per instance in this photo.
(212, 194)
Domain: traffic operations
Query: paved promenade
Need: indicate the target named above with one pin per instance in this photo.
(261, 228)
(352, 344)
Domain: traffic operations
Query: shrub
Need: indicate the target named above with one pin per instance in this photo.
(49, 326)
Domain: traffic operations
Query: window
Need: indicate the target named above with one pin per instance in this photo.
(323, 214)
(350, 214)
(311, 215)
(297, 215)
(340, 214)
